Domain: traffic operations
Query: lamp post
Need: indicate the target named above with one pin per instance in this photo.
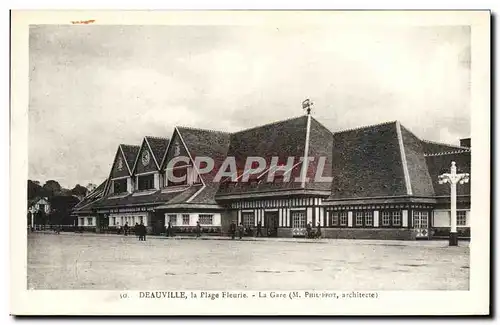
(453, 179)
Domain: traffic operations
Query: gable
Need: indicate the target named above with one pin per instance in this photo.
(175, 149)
(130, 153)
(119, 168)
(158, 147)
(145, 161)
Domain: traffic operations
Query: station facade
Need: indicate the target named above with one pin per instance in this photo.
(378, 181)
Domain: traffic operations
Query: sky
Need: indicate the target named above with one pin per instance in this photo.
(94, 87)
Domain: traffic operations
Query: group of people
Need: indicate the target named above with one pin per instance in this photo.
(310, 233)
(241, 230)
(139, 230)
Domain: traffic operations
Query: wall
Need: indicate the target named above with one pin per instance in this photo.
(131, 218)
(193, 218)
(441, 218)
(84, 221)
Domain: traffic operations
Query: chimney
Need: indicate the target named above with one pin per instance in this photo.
(465, 142)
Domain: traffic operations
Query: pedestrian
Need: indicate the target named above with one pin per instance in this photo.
(259, 229)
(232, 229)
(169, 229)
(125, 229)
(241, 230)
(136, 229)
(198, 229)
(143, 231)
(318, 230)
(308, 230)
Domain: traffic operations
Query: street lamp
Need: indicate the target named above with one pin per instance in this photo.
(453, 178)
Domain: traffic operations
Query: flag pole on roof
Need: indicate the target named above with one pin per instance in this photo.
(306, 104)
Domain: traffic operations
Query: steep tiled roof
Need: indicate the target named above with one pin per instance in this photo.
(282, 139)
(93, 196)
(367, 163)
(158, 147)
(320, 145)
(207, 195)
(420, 180)
(431, 147)
(440, 163)
(130, 152)
(206, 143)
(186, 194)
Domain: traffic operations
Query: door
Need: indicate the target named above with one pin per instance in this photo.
(421, 224)
(271, 223)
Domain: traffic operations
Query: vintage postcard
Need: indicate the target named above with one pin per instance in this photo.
(250, 163)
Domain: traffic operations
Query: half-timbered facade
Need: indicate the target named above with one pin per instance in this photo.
(377, 181)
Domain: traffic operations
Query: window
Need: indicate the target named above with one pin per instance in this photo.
(368, 218)
(386, 218)
(298, 219)
(120, 185)
(145, 182)
(359, 219)
(461, 218)
(185, 219)
(206, 219)
(113, 221)
(334, 219)
(396, 218)
(420, 219)
(141, 219)
(343, 218)
(89, 221)
(338, 219)
(248, 219)
(172, 218)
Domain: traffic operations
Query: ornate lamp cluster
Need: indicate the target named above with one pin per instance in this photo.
(453, 179)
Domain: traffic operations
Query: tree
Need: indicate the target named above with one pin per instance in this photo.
(91, 187)
(53, 187)
(79, 191)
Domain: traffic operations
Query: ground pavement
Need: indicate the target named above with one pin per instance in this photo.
(117, 262)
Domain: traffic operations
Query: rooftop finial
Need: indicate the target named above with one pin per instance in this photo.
(306, 104)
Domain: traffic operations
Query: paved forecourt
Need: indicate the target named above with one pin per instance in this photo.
(112, 262)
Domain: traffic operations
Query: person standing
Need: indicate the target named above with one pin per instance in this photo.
(144, 231)
(198, 229)
(318, 229)
(241, 229)
(259, 229)
(232, 229)
(308, 230)
(169, 229)
(136, 230)
(125, 229)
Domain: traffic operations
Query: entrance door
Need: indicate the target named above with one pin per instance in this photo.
(271, 223)
(421, 224)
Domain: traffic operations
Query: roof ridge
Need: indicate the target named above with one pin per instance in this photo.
(445, 144)
(156, 137)
(200, 129)
(366, 127)
(271, 123)
(446, 153)
(129, 145)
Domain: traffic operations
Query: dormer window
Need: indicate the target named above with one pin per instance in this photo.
(120, 185)
(145, 182)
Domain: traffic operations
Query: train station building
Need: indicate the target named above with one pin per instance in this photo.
(378, 181)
